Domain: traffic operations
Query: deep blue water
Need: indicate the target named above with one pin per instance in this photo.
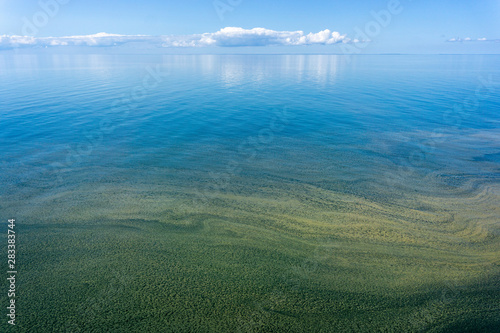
(388, 124)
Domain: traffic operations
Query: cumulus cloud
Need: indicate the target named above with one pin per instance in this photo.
(232, 36)
(226, 37)
(468, 39)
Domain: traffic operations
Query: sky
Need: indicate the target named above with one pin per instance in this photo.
(254, 26)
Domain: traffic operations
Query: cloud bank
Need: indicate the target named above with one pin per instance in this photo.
(468, 39)
(100, 39)
(232, 36)
(226, 37)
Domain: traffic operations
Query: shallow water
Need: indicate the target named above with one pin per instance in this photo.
(371, 176)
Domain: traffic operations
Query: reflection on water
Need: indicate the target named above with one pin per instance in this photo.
(347, 121)
(319, 69)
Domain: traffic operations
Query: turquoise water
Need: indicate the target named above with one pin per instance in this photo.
(314, 118)
(309, 147)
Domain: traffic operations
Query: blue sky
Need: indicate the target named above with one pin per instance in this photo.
(417, 26)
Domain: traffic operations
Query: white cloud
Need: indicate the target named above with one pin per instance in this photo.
(100, 39)
(232, 36)
(468, 39)
(226, 37)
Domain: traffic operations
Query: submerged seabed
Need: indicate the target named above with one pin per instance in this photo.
(252, 193)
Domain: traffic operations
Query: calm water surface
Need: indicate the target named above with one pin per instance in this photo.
(393, 158)
(69, 120)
